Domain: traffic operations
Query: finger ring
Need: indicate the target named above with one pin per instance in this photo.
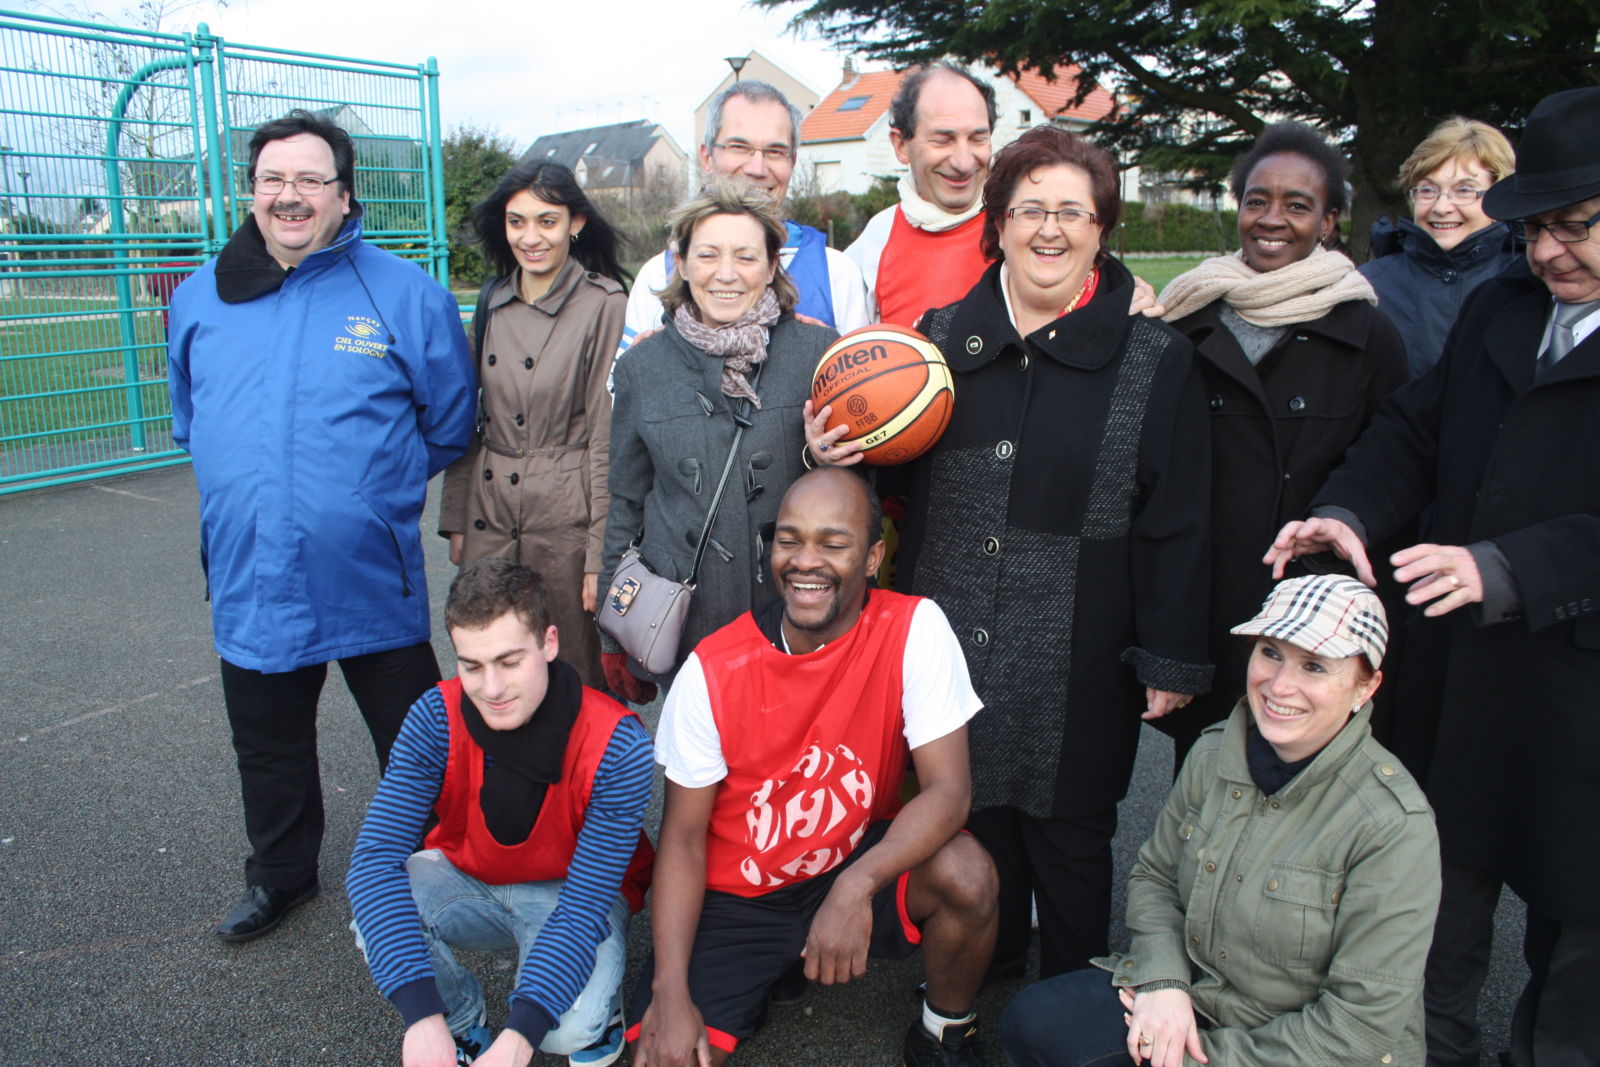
(1143, 1041)
(1455, 582)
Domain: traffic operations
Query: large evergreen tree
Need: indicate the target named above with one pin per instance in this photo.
(474, 159)
(1198, 79)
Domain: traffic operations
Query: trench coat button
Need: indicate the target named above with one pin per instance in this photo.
(1387, 770)
(1004, 449)
(488, 475)
(1237, 793)
(1448, 276)
(591, 275)
(1210, 866)
(490, 360)
(1274, 805)
(479, 524)
(1194, 939)
(1216, 402)
(1297, 404)
(1387, 1058)
(1222, 955)
(1022, 363)
(515, 478)
(1336, 895)
(974, 344)
(991, 546)
(527, 362)
(519, 419)
(1187, 830)
(515, 533)
(1272, 885)
(1572, 609)
(1238, 878)
(980, 637)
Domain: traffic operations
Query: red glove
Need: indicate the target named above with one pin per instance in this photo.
(622, 681)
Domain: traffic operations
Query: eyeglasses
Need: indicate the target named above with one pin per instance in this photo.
(1427, 194)
(273, 185)
(740, 150)
(1070, 218)
(1568, 233)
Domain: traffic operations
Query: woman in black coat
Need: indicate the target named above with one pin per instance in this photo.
(1060, 522)
(1295, 359)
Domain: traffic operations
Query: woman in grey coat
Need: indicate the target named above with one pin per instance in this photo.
(731, 348)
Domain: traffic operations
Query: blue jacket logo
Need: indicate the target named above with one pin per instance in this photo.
(361, 336)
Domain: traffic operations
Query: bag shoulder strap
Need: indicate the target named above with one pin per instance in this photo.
(480, 317)
(741, 420)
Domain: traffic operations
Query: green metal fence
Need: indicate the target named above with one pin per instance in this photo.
(122, 169)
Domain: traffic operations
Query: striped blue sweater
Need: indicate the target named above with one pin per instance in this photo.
(563, 953)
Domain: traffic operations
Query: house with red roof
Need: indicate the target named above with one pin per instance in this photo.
(844, 141)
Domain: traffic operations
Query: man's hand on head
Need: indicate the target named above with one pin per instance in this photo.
(841, 930)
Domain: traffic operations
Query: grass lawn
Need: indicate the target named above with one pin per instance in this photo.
(78, 360)
(1159, 270)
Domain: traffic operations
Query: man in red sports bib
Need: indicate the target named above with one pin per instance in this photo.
(784, 740)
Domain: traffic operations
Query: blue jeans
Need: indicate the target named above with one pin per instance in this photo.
(458, 911)
(1071, 1020)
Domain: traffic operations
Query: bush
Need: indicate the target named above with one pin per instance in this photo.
(1175, 228)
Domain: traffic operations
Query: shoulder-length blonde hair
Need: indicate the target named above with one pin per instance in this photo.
(1459, 138)
(725, 196)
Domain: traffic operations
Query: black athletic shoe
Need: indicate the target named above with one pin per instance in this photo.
(957, 1048)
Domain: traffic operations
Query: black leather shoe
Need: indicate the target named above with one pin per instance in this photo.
(260, 909)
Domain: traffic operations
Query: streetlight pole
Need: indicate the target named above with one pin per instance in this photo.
(27, 200)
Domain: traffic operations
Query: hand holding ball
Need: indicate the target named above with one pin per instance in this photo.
(890, 386)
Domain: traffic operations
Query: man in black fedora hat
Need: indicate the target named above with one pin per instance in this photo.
(1499, 708)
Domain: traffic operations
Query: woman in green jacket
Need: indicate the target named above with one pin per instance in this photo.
(1282, 910)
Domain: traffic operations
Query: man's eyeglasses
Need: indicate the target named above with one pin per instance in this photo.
(1568, 233)
(1461, 194)
(273, 185)
(1071, 218)
(741, 150)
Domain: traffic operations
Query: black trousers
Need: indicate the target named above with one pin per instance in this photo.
(1062, 865)
(1555, 1023)
(274, 722)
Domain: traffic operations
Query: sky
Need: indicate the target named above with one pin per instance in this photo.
(528, 68)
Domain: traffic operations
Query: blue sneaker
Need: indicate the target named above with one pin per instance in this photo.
(472, 1044)
(605, 1051)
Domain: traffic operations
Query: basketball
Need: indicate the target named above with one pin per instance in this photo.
(891, 386)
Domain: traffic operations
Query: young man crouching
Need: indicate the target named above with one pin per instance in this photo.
(540, 788)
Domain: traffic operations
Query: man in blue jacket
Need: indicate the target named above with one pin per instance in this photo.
(318, 382)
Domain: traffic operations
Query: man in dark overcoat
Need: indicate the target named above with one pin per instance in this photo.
(1499, 709)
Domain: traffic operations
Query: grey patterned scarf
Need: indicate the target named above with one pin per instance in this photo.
(741, 345)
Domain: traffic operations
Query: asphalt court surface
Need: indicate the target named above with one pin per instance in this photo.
(121, 836)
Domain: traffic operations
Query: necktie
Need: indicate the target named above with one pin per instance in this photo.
(1561, 339)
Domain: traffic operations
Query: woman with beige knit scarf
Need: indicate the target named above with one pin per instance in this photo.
(1295, 356)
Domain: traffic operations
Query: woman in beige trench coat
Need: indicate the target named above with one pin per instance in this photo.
(533, 485)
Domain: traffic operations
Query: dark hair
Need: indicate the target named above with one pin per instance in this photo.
(903, 109)
(722, 195)
(874, 503)
(1301, 140)
(1048, 146)
(301, 121)
(488, 588)
(554, 183)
